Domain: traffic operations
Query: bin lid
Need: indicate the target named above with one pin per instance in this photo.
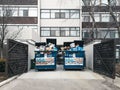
(80, 42)
(51, 41)
(40, 43)
(67, 43)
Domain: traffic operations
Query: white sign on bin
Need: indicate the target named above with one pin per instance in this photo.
(74, 61)
(45, 61)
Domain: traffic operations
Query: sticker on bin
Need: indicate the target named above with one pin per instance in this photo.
(45, 61)
(73, 61)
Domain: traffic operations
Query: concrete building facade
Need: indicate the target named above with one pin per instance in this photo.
(64, 20)
(59, 19)
(105, 25)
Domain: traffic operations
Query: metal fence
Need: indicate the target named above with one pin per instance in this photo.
(17, 58)
(105, 58)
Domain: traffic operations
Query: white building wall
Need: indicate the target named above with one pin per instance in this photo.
(29, 34)
(60, 22)
(31, 54)
(89, 54)
(60, 4)
(26, 32)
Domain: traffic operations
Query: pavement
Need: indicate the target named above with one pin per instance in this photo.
(8, 80)
(60, 80)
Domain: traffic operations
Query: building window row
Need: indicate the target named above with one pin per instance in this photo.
(101, 2)
(100, 17)
(60, 31)
(60, 14)
(18, 12)
(104, 33)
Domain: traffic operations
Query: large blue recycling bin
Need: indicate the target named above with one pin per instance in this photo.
(45, 60)
(74, 60)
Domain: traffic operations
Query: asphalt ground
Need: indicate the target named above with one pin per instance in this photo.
(60, 80)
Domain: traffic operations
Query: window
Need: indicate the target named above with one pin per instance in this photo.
(97, 2)
(54, 13)
(74, 32)
(55, 32)
(85, 32)
(0, 12)
(60, 14)
(57, 15)
(97, 17)
(105, 17)
(19, 12)
(74, 14)
(107, 34)
(87, 2)
(111, 19)
(64, 32)
(8, 13)
(86, 18)
(60, 32)
(118, 17)
(113, 2)
(25, 13)
(45, 13)
(65, 14)
(112, 34)
(104, 1)
(45, 31)
(33, 12)
(15, 12)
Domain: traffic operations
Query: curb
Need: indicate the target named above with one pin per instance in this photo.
(8, 80)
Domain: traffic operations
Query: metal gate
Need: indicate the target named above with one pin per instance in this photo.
(105, 58)
(17, 58)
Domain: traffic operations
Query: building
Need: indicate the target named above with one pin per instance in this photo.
(20, 20)
(19, 15)
(65, 20)
(58, 19)
(105, 25)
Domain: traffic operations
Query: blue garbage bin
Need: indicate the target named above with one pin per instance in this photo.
(45, 60)
(74, 60)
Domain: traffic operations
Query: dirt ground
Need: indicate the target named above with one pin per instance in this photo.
(2, 77)
(118, 69)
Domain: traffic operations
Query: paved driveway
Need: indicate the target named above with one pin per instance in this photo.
(59, 80)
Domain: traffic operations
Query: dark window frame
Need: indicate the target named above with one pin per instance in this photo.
(59, 13)
(60, 31)
(25, 13)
